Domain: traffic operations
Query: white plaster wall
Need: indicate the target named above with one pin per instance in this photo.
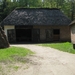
(73, 34)
(7, 28)
(42, 34)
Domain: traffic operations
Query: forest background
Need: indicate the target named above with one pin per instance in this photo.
(67, 6)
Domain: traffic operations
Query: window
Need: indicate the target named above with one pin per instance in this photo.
(56, 31)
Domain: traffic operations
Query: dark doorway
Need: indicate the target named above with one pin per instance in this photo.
(56, 34)
(23, 34)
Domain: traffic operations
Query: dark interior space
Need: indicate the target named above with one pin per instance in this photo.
(56, 31)
(56, 34)
(24, 35)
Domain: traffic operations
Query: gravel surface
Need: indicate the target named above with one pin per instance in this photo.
(46, 61)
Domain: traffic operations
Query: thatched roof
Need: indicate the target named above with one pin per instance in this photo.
(36, 16)
(73, 22)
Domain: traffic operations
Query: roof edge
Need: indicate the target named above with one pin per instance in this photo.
(73, 22)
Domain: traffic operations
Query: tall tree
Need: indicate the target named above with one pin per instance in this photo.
(2, 6)
(67, 6)
(73, 9)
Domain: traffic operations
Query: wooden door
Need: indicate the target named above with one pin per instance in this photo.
(48, 35)
(36, 35)
(11, 35)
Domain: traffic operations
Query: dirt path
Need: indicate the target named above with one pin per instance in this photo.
(48, 61)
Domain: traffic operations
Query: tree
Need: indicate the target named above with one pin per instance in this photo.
(67, 6)
(2, 6)
(73, 9)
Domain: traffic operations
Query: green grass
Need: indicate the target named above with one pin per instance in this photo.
(16, 67)
(10, 53)
(66, 47)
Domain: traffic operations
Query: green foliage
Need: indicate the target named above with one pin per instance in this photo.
(16, 67)
(66, 47)
(67, 6)
(9, 53)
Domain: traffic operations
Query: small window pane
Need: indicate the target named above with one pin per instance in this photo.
(56, 31)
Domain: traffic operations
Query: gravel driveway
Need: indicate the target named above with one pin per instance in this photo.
(48, 61)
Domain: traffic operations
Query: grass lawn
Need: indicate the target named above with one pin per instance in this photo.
(11, 52)
(66, 47)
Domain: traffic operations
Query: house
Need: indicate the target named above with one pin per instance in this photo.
(36, 25)
(72, 26)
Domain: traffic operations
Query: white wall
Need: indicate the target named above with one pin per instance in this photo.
(7, 27)
(73, 34)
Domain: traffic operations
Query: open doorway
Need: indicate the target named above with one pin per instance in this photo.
(23, 34)
(56, 34)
